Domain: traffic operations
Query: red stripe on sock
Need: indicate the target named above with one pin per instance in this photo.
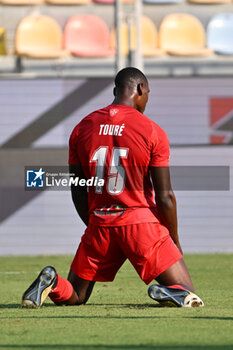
(63, 290)
(177, 286)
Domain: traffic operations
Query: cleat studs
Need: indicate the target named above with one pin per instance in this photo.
(195, 303)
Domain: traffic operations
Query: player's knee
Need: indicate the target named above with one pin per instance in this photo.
(81, 297)
(81, 300)
(74, 300)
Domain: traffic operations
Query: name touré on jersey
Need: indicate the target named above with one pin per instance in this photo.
(111, 129)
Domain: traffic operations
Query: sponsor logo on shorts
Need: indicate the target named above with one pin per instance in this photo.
(113, 211)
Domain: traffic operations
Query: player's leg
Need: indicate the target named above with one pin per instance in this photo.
(153, 254)
(177, 274)
(175, 287)
(98, 257)
(174, 295)
(71, 291)
(81, 291)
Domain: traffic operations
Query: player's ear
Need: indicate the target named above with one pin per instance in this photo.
(139, 89)
(114, 91)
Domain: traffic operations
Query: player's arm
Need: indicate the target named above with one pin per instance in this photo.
(80, 194)
(166, 200)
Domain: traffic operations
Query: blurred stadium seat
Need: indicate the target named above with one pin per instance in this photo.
(104, 1)
(149, 38)
(39, 36)
(163, 1)
(111, 1)
(220, 33)
(210, 1)
(68, 2)
(3, 50)
(21, 2)
(177, 42)
(87, 36)
(182, 34)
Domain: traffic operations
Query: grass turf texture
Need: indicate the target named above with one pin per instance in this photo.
(119, 315)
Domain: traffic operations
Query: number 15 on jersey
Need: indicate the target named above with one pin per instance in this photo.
(115, 180)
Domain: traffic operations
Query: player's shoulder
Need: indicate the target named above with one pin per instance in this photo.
(156, 129)
(89, 119)
(93, 116)
(95, 112)
(159, 129)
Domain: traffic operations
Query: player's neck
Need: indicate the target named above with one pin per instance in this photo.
(124, 102)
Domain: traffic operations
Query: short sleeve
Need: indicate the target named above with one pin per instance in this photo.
(73, 150)
(160, 148)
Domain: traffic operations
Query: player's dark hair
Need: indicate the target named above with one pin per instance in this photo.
(129, 78)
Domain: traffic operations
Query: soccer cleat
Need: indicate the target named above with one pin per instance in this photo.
(174, 297)
(40, 288)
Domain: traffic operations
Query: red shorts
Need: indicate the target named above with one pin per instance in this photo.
(103, 250)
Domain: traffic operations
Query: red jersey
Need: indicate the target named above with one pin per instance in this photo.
(118, 144)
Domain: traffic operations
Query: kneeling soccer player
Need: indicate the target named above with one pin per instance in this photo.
(120, 145)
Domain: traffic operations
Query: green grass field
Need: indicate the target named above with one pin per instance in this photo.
(119, 315)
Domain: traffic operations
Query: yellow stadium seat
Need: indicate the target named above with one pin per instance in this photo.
(68, 2)
(21, 2)
(111, 1)
(3, 42)
(39, 36)
(149, 38)
(183, 35)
